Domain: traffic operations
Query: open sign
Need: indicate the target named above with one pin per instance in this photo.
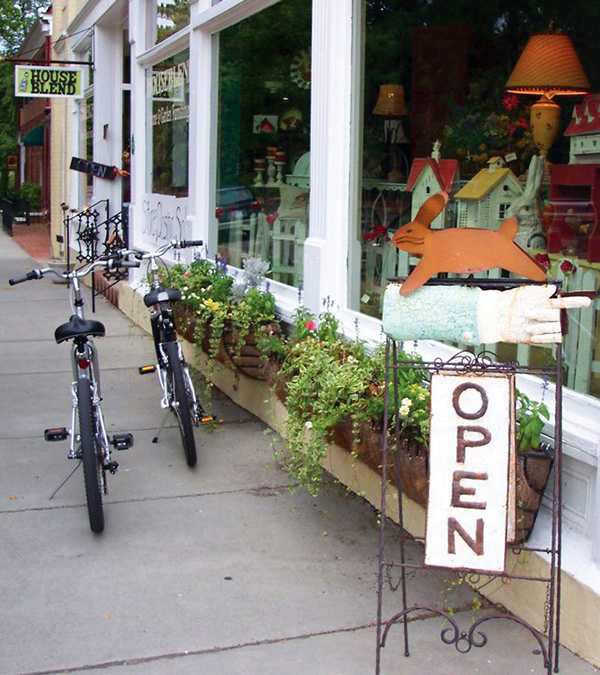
(471, 450)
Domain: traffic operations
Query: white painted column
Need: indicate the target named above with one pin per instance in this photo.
(325, 250)
(138, 26)
(595, 533)
(108, 105)
(203, 63)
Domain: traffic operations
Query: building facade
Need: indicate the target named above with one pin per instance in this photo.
(254, 125)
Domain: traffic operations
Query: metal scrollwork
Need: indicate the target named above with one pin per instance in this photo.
(115, 239)
(87, 235)
(477, 364)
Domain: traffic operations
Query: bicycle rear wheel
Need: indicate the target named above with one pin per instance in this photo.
(93, 471)
(182, 402)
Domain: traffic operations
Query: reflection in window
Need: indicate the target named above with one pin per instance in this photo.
(435, 113)
(87, 141)
(168, 92)
(263, 139)
(171, 16)
(436, 116)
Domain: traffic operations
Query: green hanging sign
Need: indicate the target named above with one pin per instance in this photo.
(46, 81)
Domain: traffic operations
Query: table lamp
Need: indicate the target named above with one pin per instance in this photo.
(391, 104)
(549, 66)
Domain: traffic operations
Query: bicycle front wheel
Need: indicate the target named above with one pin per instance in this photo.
(182, 402)
(93, 471)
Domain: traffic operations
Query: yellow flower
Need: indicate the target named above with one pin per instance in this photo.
(211, 304)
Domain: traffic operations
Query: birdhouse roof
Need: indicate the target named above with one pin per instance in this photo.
(586, 117)
(484, 182)
(445, 172)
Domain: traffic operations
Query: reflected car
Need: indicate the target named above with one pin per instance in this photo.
(235, 203)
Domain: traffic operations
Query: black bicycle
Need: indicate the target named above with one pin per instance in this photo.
(179, 395)
(89, 441)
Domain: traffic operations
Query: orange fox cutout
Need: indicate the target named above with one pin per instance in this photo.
(461, 251)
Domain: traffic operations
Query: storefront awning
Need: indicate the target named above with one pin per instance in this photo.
(35, 136)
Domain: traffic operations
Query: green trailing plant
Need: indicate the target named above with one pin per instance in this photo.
(330, 380)
(220, 304)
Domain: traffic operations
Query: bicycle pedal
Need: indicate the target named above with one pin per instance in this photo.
(112, 467)
(144, 370)
(56, 434)
(122, 441)
(210, 419)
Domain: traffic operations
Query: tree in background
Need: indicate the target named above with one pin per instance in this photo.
(18, 17)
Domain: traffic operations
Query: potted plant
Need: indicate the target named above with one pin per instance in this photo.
(534, 462)
(234, 320)
(333, 392)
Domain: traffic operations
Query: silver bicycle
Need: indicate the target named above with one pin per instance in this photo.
(89, 441)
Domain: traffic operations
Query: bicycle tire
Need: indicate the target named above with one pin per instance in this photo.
(93, 471)
(182, 403)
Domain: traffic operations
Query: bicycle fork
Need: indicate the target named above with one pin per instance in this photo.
(167, 402)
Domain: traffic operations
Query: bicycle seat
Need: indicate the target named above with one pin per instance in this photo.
(162, 295)
(76, 327)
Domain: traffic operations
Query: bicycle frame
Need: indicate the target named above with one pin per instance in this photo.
(174, 377)
(84, 360)
(161, 321)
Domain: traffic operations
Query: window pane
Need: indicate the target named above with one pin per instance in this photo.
(436, 115)
(263, 139)
(171, 16)
(168, 89)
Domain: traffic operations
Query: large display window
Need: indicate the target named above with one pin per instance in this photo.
(448, 102)
(168, 121)
(264, 139)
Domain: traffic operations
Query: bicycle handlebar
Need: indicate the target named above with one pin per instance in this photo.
(26, 277)
(161, 250)
(110, 262)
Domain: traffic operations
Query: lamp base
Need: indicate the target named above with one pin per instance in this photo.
(544, 119)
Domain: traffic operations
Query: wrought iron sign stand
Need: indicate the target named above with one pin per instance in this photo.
(87, 226)
(466, 364)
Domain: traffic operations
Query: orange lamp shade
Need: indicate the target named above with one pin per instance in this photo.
(391, 102)
(548, 65)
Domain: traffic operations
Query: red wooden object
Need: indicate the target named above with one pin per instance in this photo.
(575, 205)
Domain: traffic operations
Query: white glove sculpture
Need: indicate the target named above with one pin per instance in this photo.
(526, 314)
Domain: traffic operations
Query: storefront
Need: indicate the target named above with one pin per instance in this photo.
(305, 132)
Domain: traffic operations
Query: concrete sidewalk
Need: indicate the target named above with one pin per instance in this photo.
(212, 570)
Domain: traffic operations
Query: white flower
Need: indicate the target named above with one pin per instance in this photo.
(308, 425)
(404, 410)
(406, 402)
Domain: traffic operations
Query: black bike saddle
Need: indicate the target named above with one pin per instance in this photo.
(162, 295)
(76, 327)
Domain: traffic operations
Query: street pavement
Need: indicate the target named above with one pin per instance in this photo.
(216, 570)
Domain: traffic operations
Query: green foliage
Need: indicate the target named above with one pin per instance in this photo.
(487, 125)
(329, 381)
(201, 281)
(32, 192)
(530, 422)
(221, 304)
(18, 17)
(8, 120)
(17, 20)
